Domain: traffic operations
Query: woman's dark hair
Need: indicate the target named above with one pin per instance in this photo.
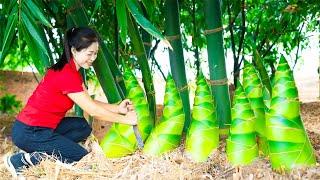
(79, 38)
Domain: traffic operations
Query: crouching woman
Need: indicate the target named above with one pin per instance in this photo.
(42, 128)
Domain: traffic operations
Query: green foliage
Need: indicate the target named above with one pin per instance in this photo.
(9, 104)
(242, 147)
(166, 135)
(269, 26)
(203, 133)
(141, 20)
(24, 21)
(122, 19)
(289, 144)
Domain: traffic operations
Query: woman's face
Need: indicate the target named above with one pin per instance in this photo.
(85, 57)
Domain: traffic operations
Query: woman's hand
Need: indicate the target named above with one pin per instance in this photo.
(131, 118)
(125, 106)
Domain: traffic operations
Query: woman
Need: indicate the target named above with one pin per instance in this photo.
(41, 128)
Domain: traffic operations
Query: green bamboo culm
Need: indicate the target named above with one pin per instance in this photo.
(288, 141)
(120, 139)
(166, 135)
(253, 88)
(177, 63)
(216, 62)
(242, 147)
(203, 135)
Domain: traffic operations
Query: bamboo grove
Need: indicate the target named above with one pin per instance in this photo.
(261, 120)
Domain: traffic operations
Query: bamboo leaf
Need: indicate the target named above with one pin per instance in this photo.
(38, 56)
(262, 70)
(149, 6)
(203, 135)
(122, 19)
(32, 28)
(12, 5)
(142, 21)
(37, 13)
(289, 143)
(9, 32)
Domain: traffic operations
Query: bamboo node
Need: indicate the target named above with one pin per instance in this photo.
(78, 5)
(151, 93)
(172, 38)
(147, 44)
(211, 31)
(118, 79)
(218, 82)
(181, 89)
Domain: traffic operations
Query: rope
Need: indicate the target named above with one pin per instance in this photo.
(218, 82)
(147, 44)
(181, 89)
(151, 93)
(78, 5)
(172, 38)
(211, 31)
(118, 78)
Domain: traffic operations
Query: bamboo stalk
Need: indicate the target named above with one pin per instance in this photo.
(172, 26)
(217, 67)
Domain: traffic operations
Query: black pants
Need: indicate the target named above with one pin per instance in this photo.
(61, 142)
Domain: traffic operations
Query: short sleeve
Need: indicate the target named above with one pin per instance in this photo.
(70, 82)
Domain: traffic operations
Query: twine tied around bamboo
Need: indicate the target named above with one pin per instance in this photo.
(181, 89)
(218, 82)
(174, 37)
(211, 31)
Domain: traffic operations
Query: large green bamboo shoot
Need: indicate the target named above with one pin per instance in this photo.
(288, 141)
(203, 134)
(167, 134)
(141, 55)
(242, 147)
(120, 139)
(253, 89)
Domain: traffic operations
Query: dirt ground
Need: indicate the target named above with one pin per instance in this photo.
(174, 165)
